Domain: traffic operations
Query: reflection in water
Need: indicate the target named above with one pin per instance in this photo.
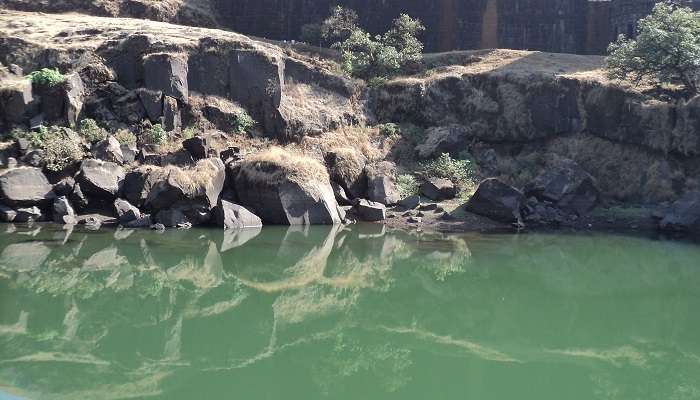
(341, 312)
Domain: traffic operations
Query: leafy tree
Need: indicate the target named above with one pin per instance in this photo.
(367, 56)
(339, 25)
(666, 49)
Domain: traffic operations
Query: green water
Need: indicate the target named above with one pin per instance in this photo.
(333, 313)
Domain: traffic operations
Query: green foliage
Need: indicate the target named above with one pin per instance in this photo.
(61, 149)
(367, 56)
(155, 135)
(389, 129)
(666, 49)
(90, 131)
(47, 77)
(189, 132)
(124, 136)
(407, 185)
(36, 138)
(243, 123)
(339, 25)
(459, 171)
(311, 33)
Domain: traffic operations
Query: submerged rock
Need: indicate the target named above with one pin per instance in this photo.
(496, 200)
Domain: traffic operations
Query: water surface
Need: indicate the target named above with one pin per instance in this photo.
(346, 313)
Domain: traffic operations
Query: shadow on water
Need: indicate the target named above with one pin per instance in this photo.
(334, 312)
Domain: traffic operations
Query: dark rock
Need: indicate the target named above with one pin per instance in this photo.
(34, 158)
(267, 189)
(25, 187)
(144, 221)
(381, 185)
(126, 212)
(29, 214)
(234, 216)
(232, 154)
(36, 122)
(16, 100)
(171, 114)
(370, 211)
(22, 145)
(346, 167)
(101, 179)
(138, 184)
(197, 212)
(149, 158)
(178, 185)
(451, 139)
(78, 198)
(428, 207)
(7, 214)
(197, 147)
(64, 187)
(63, 212)
(415, 220)
(129, 108)
(180, 158)
(75, 96)
(108, 149)
(128, 153)
(410, 203)
(152, 101)
(438, 189)
(53, 101)
(496, 200)
(340, 196)
(683, 215)
(167, 73)
(171, 218)
(568, 186)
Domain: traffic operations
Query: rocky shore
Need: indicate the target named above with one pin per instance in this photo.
(551, 142)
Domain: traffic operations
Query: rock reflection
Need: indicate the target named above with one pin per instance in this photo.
(127, 312)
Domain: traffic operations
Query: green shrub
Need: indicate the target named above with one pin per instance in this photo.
(460, 172)
(61, 149)
(366, 56)
(125, 136)
(90, 131)
(666, 49)
(407, 185)
(155, 135)
(47, 77)
(389, 129)
(189, 132)
(243, 122)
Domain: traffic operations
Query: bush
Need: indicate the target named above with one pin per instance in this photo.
(666, 49)
(90, 131)
(47, 77)
(389, 129)
(124, 136)
(460, 172)
(155, 135)
(61, 149)
(189, 132)
(367, 56)
(243, 123)
(407, 185)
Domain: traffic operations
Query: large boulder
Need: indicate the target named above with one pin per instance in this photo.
(346, 167)
(126, 212)
(568, 186)
(100, 179)
(108, 149)
(286, 189)
(683, 215)
(496, 200)
(438, 189)
(152, 101)
(233, 216)
(172, 119)
(451, 139)
(166, 73)
(25, 187)
(75, 96)
(15, 100)
(381, 183)
(159, 188)
(370, 211)
(197, 146)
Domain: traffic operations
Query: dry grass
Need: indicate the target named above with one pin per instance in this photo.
(349, 164)
(192, 179)
(277, 165)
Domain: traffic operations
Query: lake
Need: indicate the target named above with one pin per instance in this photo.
(346, 313)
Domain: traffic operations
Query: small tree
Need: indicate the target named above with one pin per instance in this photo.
(339, 25)
(666, 49)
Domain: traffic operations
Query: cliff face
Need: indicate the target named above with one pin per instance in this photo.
(533, 107)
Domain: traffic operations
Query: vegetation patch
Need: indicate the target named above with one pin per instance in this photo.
(243, 122)
(155, 135)
(125, 136)
(90, 131)
(47, 77)
(62, 148)
(460, 171)
(276, 166)
(407, 185)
